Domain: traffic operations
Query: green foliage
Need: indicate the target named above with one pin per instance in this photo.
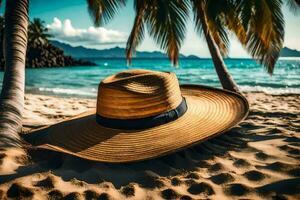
(103, 10)
(217, 13)
(166, 23)
(258, 24)
(37, 32)
(263, 20)
(137, 33)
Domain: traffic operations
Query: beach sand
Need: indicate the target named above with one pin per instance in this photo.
(258, 159)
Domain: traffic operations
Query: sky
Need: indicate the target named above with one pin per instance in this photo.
(69, 21)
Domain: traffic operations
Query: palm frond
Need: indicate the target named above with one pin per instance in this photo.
(263, 20)
(214, 11)
(196, 7)
(103, 10)
(234, 24)
(215, 15)
(166, 22)
(137, 33)
(37, 32)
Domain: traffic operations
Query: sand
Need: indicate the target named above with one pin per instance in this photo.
(258, 159)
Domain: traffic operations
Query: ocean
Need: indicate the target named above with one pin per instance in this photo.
(81, 81)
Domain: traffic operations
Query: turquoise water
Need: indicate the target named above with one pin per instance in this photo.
(83, 81)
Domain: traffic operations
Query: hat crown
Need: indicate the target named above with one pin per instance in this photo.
(135, 94)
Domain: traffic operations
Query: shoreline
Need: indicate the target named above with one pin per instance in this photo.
(257, 159)
(71, 96)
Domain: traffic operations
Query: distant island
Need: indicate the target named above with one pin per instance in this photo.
(58, 54)
(43, 55)
(287, 52)
(40, 53)
(118, 52)
(115, 52)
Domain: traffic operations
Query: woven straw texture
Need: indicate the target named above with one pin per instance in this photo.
(137, 94)
(210, 112)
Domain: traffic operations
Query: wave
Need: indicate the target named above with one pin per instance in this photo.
(269, 90)
(90, 92)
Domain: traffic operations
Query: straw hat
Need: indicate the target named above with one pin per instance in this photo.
(143, 114)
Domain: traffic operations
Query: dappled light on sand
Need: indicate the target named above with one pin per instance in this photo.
(259, 158)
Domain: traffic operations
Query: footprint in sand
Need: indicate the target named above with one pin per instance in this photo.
(47, 183)
(90, 194)
(222, 178)
(254, 175)
(185, 197)
(292, 170)
(215, 168)
(192, 175)
(279, 166)
(241, 163)
(190, 182)
(73, 196)
(176, 181)
(261, 156)
(104, 196)
(18, 191)
(169, 194)
(55, 194)
(199, 188)
(290, 150)
(128, 190)
(237, 189)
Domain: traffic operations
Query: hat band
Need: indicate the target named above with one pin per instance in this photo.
(143, 123)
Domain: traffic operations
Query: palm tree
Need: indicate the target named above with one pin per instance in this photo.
(258, 25)
(15, 44)
(37, 32)
(208, 23)
(166, 22)
(12, 94)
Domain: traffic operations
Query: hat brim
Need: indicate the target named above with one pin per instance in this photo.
(210, 112)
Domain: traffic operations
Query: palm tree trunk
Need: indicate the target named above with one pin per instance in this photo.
(12, 94)
(225, 78)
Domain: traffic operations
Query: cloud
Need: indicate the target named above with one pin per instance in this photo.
(92, 36)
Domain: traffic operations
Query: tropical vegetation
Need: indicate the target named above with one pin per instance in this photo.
(37, 32)
(40, 52)
(258, 24)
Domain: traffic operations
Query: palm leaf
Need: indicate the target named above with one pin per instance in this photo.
(137, 33)
(234, 24)
(166, 22)
(263, 20)
(103, 10)
(215, 12)
(198, 24)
